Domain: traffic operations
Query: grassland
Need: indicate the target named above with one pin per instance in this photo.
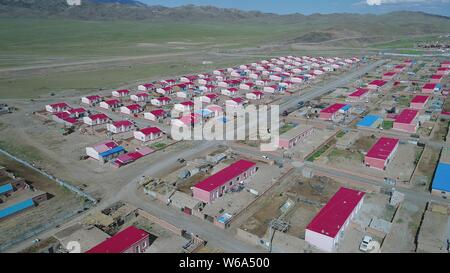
(87, 81)
(123, 38)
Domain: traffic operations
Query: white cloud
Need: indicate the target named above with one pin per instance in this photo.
(382, 2)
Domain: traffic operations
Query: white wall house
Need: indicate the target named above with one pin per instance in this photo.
(148, 134)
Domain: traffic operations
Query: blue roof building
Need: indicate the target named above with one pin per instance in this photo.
(6, 188)
(114, 151)
(16, 208)
(441, 180)
(371, 121)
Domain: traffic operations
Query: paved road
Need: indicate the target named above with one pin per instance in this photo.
(291, 102)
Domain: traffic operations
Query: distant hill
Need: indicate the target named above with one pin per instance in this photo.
(309, 29)
(122, 2)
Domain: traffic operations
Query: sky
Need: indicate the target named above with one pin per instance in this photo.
(441, 7)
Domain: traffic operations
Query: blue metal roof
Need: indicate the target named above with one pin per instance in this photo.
(115, 150)
(6, 188)
(441, 179)
(204, 112)
(16, 208)
(368, 120)
(345, 108)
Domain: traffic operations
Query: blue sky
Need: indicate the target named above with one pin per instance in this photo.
(441, 7)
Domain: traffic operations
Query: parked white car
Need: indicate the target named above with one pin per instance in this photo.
(365, 243)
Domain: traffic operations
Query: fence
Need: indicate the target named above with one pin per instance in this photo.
(51, 177)
(162, 223)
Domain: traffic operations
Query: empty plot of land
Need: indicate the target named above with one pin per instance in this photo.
(61, 205)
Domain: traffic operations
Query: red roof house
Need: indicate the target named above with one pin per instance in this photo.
(129, 240)
(443, 71)
(388, 76)
(140, 97)
(376, 84)
(148, 134)
(91, 99)
(155, 115)
(110, 104)
(96, 119)
(406, 121)
(381, 153)
(436, 78)
(327, 227)
(428, 88)
(131, 109)
(419, 101)
(120, 93)
(331, 111)
(217, 184)
(359, 94)
(57, 107)
(160, 101)
(120, 126)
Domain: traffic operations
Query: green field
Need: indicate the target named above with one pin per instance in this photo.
(124, 38)
(85, 82)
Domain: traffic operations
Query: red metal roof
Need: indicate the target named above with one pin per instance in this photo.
(93, 97)
(187, 103)
(383, 148)
(148, 85)
(225, 175)
(407, 116)
(123, 91)
(359, 92)
(150, 130)
(133, 107)
(98, 116)
(419, 99)
(163, 99)
(391, 73)
(335, 213)
(142, 95)
(112, 102)
(120, 242)
(59, 105)
(378, 83)
(121, 123)
(211, 96)
(158, 112)
(429, 86)
(437, 77)
(76, 110)
(237, 100)
(333, 108)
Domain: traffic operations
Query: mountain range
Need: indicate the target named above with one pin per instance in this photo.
(316, 27)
